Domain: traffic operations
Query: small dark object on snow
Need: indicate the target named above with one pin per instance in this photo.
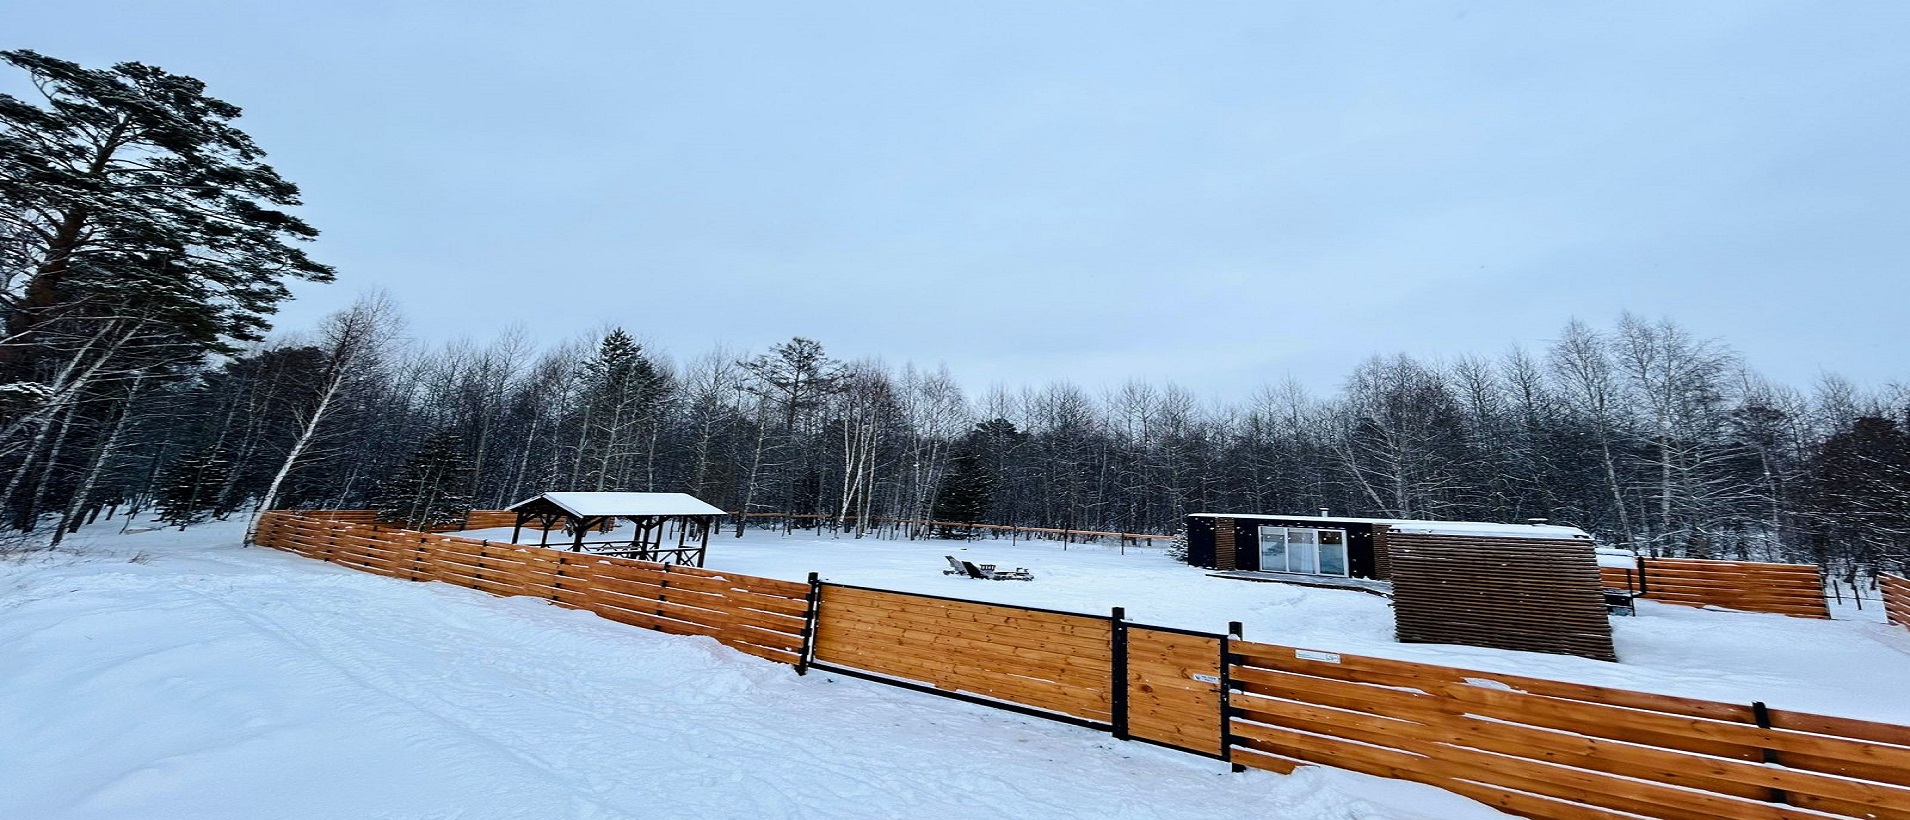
(1620, 602)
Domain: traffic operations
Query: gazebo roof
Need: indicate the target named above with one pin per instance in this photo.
(618, 505)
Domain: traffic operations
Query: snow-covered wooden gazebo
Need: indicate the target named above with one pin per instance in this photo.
(654, 514)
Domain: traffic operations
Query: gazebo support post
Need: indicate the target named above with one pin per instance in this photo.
(583, 525)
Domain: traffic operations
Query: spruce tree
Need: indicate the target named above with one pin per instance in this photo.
(430, 490)
(621, 397)
(189, 489)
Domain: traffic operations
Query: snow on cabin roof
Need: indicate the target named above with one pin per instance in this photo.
(1486, 528)
(621, 504)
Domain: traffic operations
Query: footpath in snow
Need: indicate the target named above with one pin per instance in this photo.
(176, 675)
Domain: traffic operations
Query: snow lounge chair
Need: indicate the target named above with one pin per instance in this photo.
(988, 572)
(955, 567)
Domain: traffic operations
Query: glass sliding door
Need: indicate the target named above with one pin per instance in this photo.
(1332, 552)
(1304, 550)
(1273, 549)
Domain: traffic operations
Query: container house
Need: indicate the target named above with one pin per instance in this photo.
(1330, 546)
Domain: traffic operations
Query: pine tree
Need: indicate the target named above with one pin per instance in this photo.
(131, 183)
(968, 488)
(139, 231)
(430, 489)
(188, 491)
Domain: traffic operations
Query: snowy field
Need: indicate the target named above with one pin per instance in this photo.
(177, 675)
(1857, 666)
(168, 674)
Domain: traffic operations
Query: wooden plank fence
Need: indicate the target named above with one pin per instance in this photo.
(1544, 748)
(1785, 589)
(1533, 747)
(1896, 598)
(764, 617)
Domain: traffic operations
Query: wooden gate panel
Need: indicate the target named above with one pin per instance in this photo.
(1173, 688)
(1054, 661)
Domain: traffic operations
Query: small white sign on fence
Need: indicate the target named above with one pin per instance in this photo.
(1310, 655)
(1207, 678)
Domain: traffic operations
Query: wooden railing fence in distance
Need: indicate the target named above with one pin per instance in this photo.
(475, 520)
(1750, 586)
(1057, 662)
(1548, 749)
(765, 617)
(996, 529)
(1895, 590)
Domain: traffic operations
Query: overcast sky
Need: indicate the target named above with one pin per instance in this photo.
(1217, 194)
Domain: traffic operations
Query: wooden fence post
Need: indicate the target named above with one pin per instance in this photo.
(809, 624)
(1117, 694)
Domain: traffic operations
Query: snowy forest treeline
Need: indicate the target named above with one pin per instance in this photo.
(145, 244)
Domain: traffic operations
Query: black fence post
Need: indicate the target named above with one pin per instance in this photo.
(1117, 693)
(1234, 630)
(1643, 585)
(1762, 714)
(809, 625)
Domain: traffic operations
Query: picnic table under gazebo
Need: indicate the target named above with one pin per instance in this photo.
(655, 515)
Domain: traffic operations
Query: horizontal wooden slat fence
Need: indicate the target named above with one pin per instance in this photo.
(1750, 586)
(1548, 749)
(764, 617)
(1533, 747)
(1054, 661)
(1896, 598)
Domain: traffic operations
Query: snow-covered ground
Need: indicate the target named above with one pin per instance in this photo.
(1858, 667)
(177, 675)
(170, 674)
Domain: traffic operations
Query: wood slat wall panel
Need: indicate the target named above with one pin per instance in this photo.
(1507, 593)
(1226, 552)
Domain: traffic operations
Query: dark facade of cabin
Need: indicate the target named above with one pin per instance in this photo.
(1229, 543)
